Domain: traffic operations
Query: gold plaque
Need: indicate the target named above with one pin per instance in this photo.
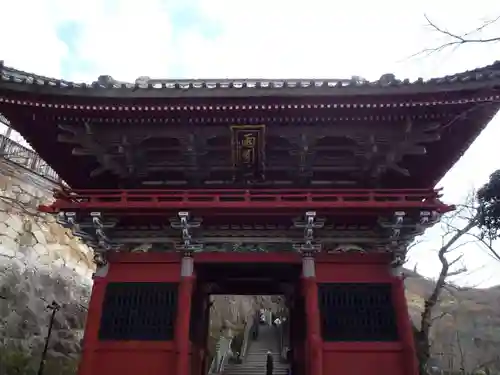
(248, 144)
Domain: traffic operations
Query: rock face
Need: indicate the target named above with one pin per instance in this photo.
(40, 262)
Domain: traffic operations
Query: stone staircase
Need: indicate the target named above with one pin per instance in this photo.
(255, 360)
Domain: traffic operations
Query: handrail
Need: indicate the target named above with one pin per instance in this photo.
(251, 199)
(221, 355)
(249, 327)
(283, 339)
(15, 153)
(432, 192)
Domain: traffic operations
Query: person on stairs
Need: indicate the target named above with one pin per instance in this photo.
(269, 363)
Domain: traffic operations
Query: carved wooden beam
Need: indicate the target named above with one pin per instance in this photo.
(111, 133)
(408, 142)
(194, 149)
(83, 135)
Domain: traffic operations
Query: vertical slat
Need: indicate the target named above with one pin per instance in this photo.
(357, 312)
(139, 311)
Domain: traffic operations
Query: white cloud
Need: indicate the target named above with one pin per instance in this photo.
(29, 40)
(130, 41)
(279, 38)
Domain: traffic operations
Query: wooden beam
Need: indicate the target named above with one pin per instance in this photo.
(112, 132)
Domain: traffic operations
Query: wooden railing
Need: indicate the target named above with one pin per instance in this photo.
(26, 158)
(223, 348)
(243, 200)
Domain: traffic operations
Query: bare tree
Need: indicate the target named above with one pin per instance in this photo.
(455, 39)
(477, 221)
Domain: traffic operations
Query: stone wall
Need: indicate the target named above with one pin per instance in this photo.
(40, 262)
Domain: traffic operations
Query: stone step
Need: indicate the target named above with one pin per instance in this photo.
(254, 366)
(260, 357)
(254, 371)
(234, 370)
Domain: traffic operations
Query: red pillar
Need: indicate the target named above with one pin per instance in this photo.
(404, 326)
(314, 347)
(91, 335)
(182, 324)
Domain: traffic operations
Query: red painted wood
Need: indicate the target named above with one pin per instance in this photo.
(148, 258)
(182, 325)
(379, 358)
(118, 358)
(135, 357)
(353, 268)
(89, 360)
(234, 201)
(129, 357)
(314, 352)
(235, 257)
(405, 326)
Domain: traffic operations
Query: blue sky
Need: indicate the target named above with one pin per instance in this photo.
(80, 40)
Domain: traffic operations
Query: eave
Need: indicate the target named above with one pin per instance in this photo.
(37, 107)
(484, 78)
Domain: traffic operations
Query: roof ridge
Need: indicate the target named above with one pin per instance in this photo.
(484, 74)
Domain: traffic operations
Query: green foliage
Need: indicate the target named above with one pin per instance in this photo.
(489, 204)
(15, 362)
(18, 362)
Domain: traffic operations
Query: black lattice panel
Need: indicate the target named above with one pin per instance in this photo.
(357, 312)
(139, 311)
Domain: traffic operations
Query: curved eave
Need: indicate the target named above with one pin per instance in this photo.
(25, 99)
(247, 92)
(13, 80)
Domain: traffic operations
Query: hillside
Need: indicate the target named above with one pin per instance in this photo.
(466, 330)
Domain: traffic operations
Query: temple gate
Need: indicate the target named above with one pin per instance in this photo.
(312, 189)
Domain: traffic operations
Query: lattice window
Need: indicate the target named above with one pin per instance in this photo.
(139, 311)
(357, 312)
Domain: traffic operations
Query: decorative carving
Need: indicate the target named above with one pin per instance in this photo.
(380, 159)
(308, 246)
(305, 154)
(94, 236)
(185, 226)
(377, 148)
(194, 150)
(347, 248)
(102, 240)
(100, 257)
(428, 218)
(118, 160)
(398, 224)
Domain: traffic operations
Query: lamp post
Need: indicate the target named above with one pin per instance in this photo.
(54, 306)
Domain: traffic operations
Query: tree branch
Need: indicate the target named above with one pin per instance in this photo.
(456, 39)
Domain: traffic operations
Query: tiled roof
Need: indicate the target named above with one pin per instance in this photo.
(106, 85)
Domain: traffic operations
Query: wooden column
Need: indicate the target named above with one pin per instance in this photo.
(404, 324)
(314, 347)
(91, 335)
(184, 315)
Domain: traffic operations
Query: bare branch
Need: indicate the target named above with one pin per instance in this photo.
(442, 315)
(488, 244)
(461, 351)
(422, 335)
(455, 39)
